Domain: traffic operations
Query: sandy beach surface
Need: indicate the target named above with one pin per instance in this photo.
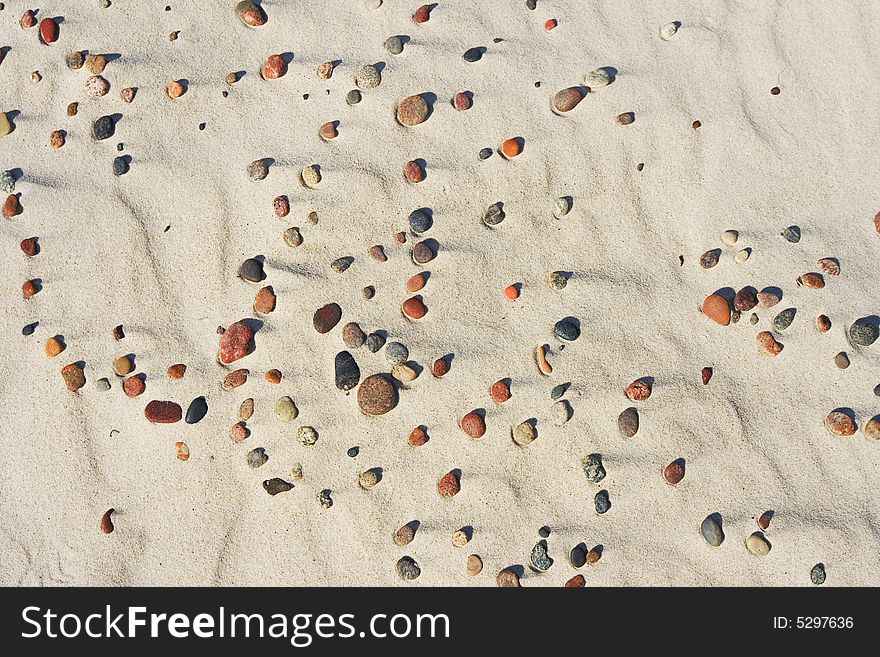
(753, 116)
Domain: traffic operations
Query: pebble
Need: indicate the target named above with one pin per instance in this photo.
(353, 336)
(28, 19)
(669, 30)
(28, 329)
(541, 361)
(175, 89)
(524, 433)
(557, 280)
(414, 308)
(97, 86)
(281, 206)
(626, 118)
(394, 45)
(311, 176)
(811, 280)
(234, 379)
(559, 390)
(712, 532)
(353, 97)
(416, 282)
(577, 556)
(500, 391)
(710, 258)
(593, 468)
(57, 139)
(377, 395)
(292, 237)
(307, 436)
(274, 68)
(163, 412)
(561, 207)
(412, 111)
(6, 125)
(474, 565)
(817, 574)
(540, 560)
(75, 60)
(420, 222)
(182, 451)
(54, 346)
(123, 366)
(285, 409)
(408, 569)
(729, 237)
(405, 535)
(422, 14)
(567, 99)
(758, 545)
(767, 299)
(473, 425)
(368, 77)
(628, 422)
(674, 472)
(252, 15)
(422, 253)
(246, 409)
(128, 94)
(347, 372)
(597, 78)
(375, 341)
(511, 148)
(48, 30)
(29, 289)
(784, 319)
(830, 266)
(134, 386)
(324, 498)
(413, 172)
(177, 371)
(239, 432)
(107, 521)
(512, 291)
(768, 344)
(275, 485)
(417, 437)
(462, 101)
(96, 63)
(764, 520)
(257, 457)
(74, 377)
(494, 215)
(562, 412)
(485, 153)
(716, 308)
(12, 207)
(234, 342)
(872, 429)
(603, 502)
(368, 479)
(473, 55)
(877, 390)
(460, 538)
(257, 170)
(102, 385)
(197, 410)
(507, 578)
(264, 301)
(638, 390)
(103, 128)
(341, 264)
(745, 299)
(120, 166)
(396, 353)
(792, 234)
(706, 374)
(7, 180)
(566, 330)
(840, 424)
(326, 317)
(841, 360)
(576, 582)
(863, 332)
(440, 368)
(449, 485)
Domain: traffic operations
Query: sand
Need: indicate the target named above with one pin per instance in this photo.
(158, 251)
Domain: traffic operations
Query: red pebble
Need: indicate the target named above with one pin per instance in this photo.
(107, 521)
(413, 172)
(417, 437)
(234, 342)
(28, 19)
(239, 432)
(576, 582)
(877, 222)
(163, 412)
(416, 282)
(48, 30)
(638, 390)
(440, 367)
(764, 520)
(134, 386)
(414, 308)
(706, 374)
(462, 101)
(29, 246)
(674, 472)
(281, 206)
(449, 486)
(29, 289)
(274, 68)
(500, 391)
(422, 14)
(11, 207)
(550, 24)
(473, 425)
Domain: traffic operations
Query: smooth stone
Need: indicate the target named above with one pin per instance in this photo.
(863, 332)
(758, 545)
(729, 237)
(420, 222)
(250, 13)
(839, 423)
(710, 258)
(565, 330)
(412, 111)
(257, 457)
(408, 569)
(307, 436)
(577, 556)
(377, 395)
(311, 176)
(257, 170)
(602, 501)
(251, 270)
(567, 99)
(524, 433)
(348, 374)
(742, 255)
(669, 30)
(292, 236)
(539, 559)
(559, 390)
(628, 422)
(841, 360)
(784, 319)
(353, 97)
(817, 574)
(103, 385)
(494, 215)
(103, 128)
(163, 412)
(396, 353)
(368, 77)
(326, 317)
(562, 412)
(712, 532)
(792, 234)
(872, 429)
(485, 153)
(246, 409)
(341, 264)
(353, 336)
(593, 468)
(368, 479)
(561, 207)
(275, 486)
(405, 535)
(285, 409)
(5, 125)
(716, 308)
(374, 342)
(597, 78)
(473, 55)
(197, 410)
(474, 565)
(120, 166)
(394, 45)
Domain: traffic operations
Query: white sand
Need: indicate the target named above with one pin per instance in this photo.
(753, 438)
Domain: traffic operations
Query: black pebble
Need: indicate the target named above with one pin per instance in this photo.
(566, 330)
(251, 270)
(120, 146)
(103, 128)
(473, 55)
(603, 502)
(197, 410)
(30, 328)
(485, 153)
(353, 451)
(544, 532)
(877, 390)
(120, 166)
(348, 374)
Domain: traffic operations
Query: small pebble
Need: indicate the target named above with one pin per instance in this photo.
(638, 390)
(353, 97)
(449, 485)
(562, 412)
(420, 222)
(561, 207)
(368, 77)
(405, 535)
(541, 361)
(540, 560)
(368, 479)
(374, 342)
(767, 344)
(830, 266)
(54, 346)
(103, 128)
(710, 258)
(597, 78)
(257, 457)
(742, 255)
(102, 385)
(792, 234)
(416, 282)
(234, 379)
(712, 532)
(511, 148)
(414, 308)
(175, 89)
(396, 353)
(524, 433)
(485, 153)
(557, 280)
(500, 391)
(674, 472)
(512, 292)
(817, 574)
(729, 237)
(417, 437)
(325, 499)
(347, 372)
(275, 485)
(440, 368)
(413, 172)
(120, 166)
(252, 15)
(567, 99)
(473, 55)
(764, 520)
(577, 556)
(408, 569)
(460, 538)
(74, 377)
(473, 425)
(246, 409)
(559, 390)
(494, 215)
(603, 502)
(307, 436)
(311, 176)
(340, 265)
(462, 101)
(296, 471)
(134, 386)
(784, 319)
(758, 545)
(292, 237)
(257, 170)
(353, 336)
(264, 300)
(394, 45)
(97, 86)
(841, 360)
(669, 30)
(872, 429)
(327, 317)
(626, 118)
(811, 280)
(251, 270)
(474, 565)
(274, 68)
(593, 468)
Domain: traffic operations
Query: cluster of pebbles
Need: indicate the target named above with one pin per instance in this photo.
(377, 393)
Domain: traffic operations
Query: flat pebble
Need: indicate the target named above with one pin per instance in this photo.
(474, 565)
(296, 471)
(557, 391)
(593, 468)
(784, 319)
(246, 409)
(758, 545)
(602, 502)
(830, 266)
(163, 412)
(597, 78)
(377, 395)
(342, 264)
(414, 308)
(485, 153)
(257, 457)
(422, 14)
(307, 436)
(408, 569)
(292, 236)
(275, 486)
(251, 14)
(768, 299)
(353, 336)
(674, 472)
(626, 118)
(197, 410)
(257, 170)
(235, 342)
(327, 317)
(524, 433)
(817, 574)
(710, 258)
(473, 55)
(566, 330)
(711, 531)
(562, 412)
(863, 332)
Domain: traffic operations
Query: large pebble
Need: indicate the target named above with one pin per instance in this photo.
(377, 395)
(412, 111)
(716, 308)
(353, 336)
(251, 270)
(347, 372)
(473, 424)
(408, 569)
(234, 379)
(257, 170)
(285, 409)
(251, 13)
(840, 423)
(234, 342)
(103, 128)
(326, 317)
(711, 531)
(567, 99)
(420, 222)
(710, 258)
(48, 31)
(767, 344)
(863, 332)
(311, 176)
(449, 485)
(524, 433)
(197, 410)
(638, 390)
(163, 412)
(507, 578)
(758, 545)
(784, 319)
(368, 77)
(745, 299)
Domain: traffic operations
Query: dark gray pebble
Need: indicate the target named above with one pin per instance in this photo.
(197, 410)
(251, 270)
(325, 499)
(394, 45)
(593, 468)
(817, 574)
(712, 532)
(348, 374)
(353, 97)
(494, 215)
(257, 457)
(863, 332)
(120, 166)
(275, 485)
(353, 451)
(375, 341)
(559, 390)
(28, 329)
(103, 128)
(539, 559)
(420, 222)
(486, 153)
(566, 330)
(544, 532)
(784, 319)
(407, 568)
(473, 54)
(578, 556)
(792, 234)
(603, 502)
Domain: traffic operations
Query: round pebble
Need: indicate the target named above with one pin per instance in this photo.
(669, 30)
(716, 308)
(758, 545)
(524, 433)
(412, 111)
(257, 457)
(374, 342)
(353, 336)
(792, 234)
(566, 330)
(257, 170)
(420, 222)
(839, 423)
(377, 395)
(368, 77)
(638, 390)
(562, 412)
(674, 472)
(292, 237)
(408, 569)
(368, 479)
(120, 166)
(311, 176)
(134, 386)
(285, 409)
(103, 128)
(872, 429)
(742, 255)
(97, 86)
(394, 45)
(567, 99)
(494, 215)
(353, 97)
(405, 535)
(414, 308)
(863, 332)
(597, 78)
(417, 437)
(500, 391)
(602, 502)
(507, 578)
(841, 360)
(251, 270)
(474, 565)
(449, 485)
(473, 425)
(485, 153)
(729, 237)
(628, 422)
(307, 436)
(396, 353)
(251, 13)
(511, 148)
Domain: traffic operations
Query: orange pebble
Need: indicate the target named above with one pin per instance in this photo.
(512, 292)
(177, 371)
(550, 24)
(29, 289)
(512, 147)
(273, 376)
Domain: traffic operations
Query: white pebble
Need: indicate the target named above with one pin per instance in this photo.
(742, 255)
(729, 236)
(561, 207)
(562, 412)
(597, 78)
(311, 176)
(372, 4)
(669, 30)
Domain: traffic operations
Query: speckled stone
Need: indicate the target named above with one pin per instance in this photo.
(817, 574)
(863, 332)
(394, 45)
(396, 353)
(103, 128)
(420, 222)
(593, 468)
(347, 372)
(792, 234)
(307, 436)
(412, 110)
(257, 457)
(353, 97)
(374, 342)
(507, 578)
(524, 433)
(377, 395)
(839, 423)
(540, 560)
(408, 569)
(494, 215)
(353, 336)
(784, 319)
(602, 502)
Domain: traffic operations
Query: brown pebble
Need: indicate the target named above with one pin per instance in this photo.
(413, 172)
(841, 360)
(405, 535)
(705, 375)
(422, 14)
(377, 253)
(107, 522)
(823, 324)
(177, 371)
(28, 19)
(264, 301)
(328, 131)
(118, 332)
(626, 118)
(239, 432)
(56, 139)
(377, 395)
(96, 64)
(182, 451)
(326, 317)
(325, 70)
(175, 89)
(134, 386)
(462, 101)
(163, 412)
(674, 472)
(507, 578)
(593, 556)
(638, 390)
(273, 376)
(416, 282)
(840, 424)
(369, 292)
(412, 111)
(29, 289)
(474, 565)
(567, 99)
(768, 344)
(353, 335)
(123, 366)
(12, 207)
(54, 346)
(440, 368)
(29, 246)
(417, 437)
(449, 485)
(745, 299)
(811, 280)
(422, 253)
(500, 391)
(74, 377)
(235, 379)
(576, 582)
(235, 342)
(764, 520)
(72, 109)
(830, 266)
(127, 94)
(281, 206)
(246, 409)
(473, 425)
